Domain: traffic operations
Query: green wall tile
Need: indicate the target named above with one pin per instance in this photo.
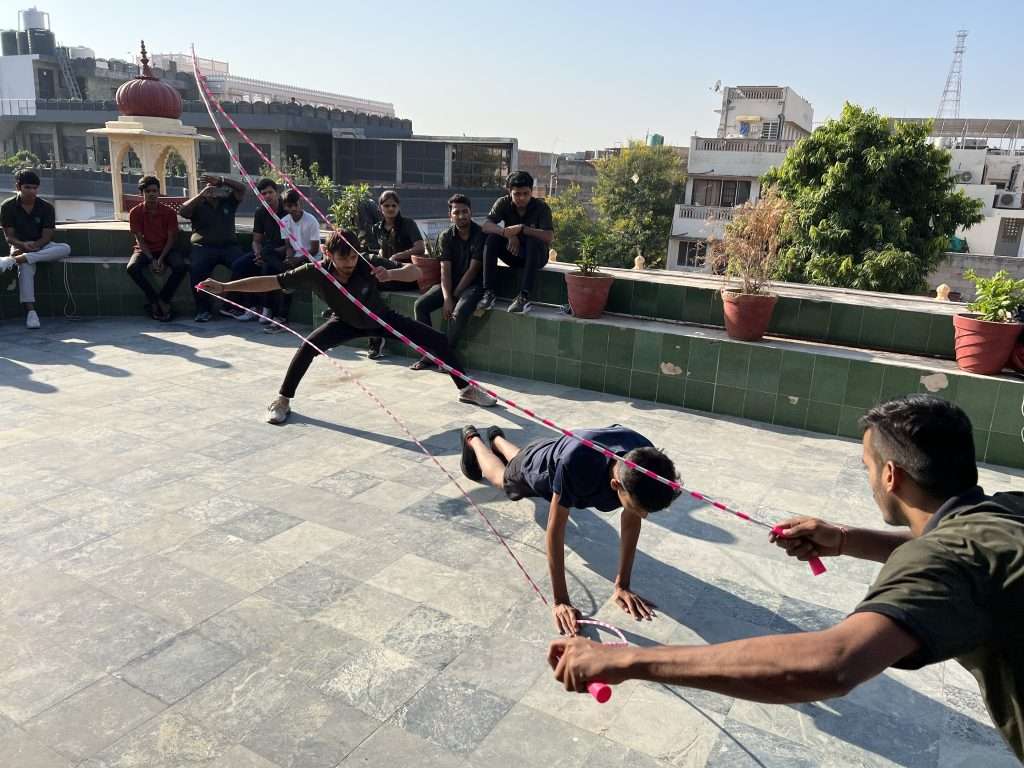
(733, 362)
(697, 307)
(828, 379)
(620, 347)
(647, 352)
(570, 340)
(643, 386)
(815, 317)
(764, 370)
(1007, 418)
(568, 373)
(671, 301)
(864, 384)
(592, 377)
(795, 375)
(699, 395)
(1007, 450)
(728, 401)
(946, 393)
(789, 413)
(620, 297)
(645, 299)
(675, 350)
(702, 363)
(877, 328)
(595, 343)
(786, 318)
(849, 421)
(823, 417)
(503, 329)
(844, 324)
(977, 396)
(911, 334)
(521, 364)
(522, 338)
(716, 314)
(940, 336)
(545, 368)
(898, 381)
(759, 406)
(616, 381)
(545, 337)
(671, 389)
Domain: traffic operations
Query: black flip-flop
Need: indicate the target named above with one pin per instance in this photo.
(493, 432)
(423, 364)
(469, 465)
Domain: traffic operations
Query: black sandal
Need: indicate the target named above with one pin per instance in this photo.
(469, 465)
(423, 364)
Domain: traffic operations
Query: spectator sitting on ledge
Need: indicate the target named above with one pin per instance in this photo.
(155, 227)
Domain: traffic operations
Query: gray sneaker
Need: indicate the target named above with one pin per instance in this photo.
(521, 305)
(476, 396)
(487, 302)
(277, 411)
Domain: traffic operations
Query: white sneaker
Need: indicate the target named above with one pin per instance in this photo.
(265, 315)
(7, 262)
(277, 411)
(32, 319)
(476, 396)
(244, 317)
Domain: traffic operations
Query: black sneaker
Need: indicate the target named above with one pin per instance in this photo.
(493, 432)
(469, 465)
(487, 302)
(521, 305)
(376, 349)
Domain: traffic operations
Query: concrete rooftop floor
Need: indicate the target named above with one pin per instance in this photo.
(184, 585)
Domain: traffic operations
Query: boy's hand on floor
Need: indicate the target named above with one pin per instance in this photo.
(633, 604)
(565, 618)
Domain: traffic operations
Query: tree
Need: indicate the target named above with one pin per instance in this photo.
(572, 224)
(874, 205)
(636, 193)
(19, 160)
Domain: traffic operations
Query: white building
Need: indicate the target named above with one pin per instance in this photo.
(757, 127)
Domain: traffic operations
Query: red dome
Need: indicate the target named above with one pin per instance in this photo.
(148, 96)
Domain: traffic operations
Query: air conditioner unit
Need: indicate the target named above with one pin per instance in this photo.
(965, 178)
(1008, 200)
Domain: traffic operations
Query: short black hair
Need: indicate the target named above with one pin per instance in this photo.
(519, 179)
(459, 199)
(929, 438)
(652, 495)
(27, 176)
(264, 183)
(149, 181)
(388, 194)
(292, 197)
(341, 242)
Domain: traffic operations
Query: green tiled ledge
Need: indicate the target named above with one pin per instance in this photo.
(794, 384)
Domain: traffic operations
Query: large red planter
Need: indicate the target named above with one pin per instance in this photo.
(983, 346)
(588, 294)
(430, 271)
(747, 315)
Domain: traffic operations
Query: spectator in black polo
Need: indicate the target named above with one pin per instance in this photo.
(400, 239)
(268, 252)
(29, 223)
(519, 232)
(462, 253)
(212, 213)
(155, 227)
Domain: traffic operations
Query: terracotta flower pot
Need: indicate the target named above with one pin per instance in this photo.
(747, 315)
(430, 271)
(983, 346)
(588, 294)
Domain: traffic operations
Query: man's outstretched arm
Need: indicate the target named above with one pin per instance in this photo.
(775, 669)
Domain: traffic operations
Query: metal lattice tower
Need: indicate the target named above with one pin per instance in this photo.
(949, 106)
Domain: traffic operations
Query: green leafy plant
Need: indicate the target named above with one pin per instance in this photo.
(20, 159)
(571, 222)
(586, 263)
(1000, 298)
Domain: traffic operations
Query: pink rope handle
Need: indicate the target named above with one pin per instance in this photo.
(817, 567)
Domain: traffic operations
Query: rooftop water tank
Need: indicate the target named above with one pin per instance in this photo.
(9, 42)
(655, 140)
(23, 43)
(81, 52)
(41, 41)
(33, 18)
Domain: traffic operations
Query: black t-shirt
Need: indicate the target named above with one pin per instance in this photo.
(362, 284)
(28, 225)
(537, 216)
(263, 224)
(959, 589)
(214, 224)
(397, 239)
(578, 474)
(461, 253)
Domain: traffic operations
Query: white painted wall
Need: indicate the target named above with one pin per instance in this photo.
(1000, 167)
(17, 80)
(970, 161)
(984, 192)
(75, 210)
(981, 238)
(749, 165)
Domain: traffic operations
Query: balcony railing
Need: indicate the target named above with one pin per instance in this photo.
(17, 107)
(704, 212)
(742, 145)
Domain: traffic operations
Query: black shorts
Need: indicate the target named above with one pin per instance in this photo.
(513, 482)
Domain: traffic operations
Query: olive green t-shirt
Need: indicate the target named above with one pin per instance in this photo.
(361, 284)
(959, 589)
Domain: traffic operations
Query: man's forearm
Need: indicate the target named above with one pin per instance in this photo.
(468, 279)
(629, 535)
(490, 228)
(554, 540)
(143, 248)
(446, 280)
(868, 544)
(544, 235)
(260, 284)
(406, 274)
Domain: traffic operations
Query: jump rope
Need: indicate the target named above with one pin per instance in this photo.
(599, 690)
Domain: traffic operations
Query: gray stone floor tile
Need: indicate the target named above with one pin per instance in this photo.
(742, 745)
(240, 757)
(20, 749)
(528, 738)
(453, 714)
(366, 612)
(170, 741)
(430, 637)
(259, 524)
(175, 669)
(251, 625)
(393, 746)
(308, 589)
(93, 718)
(41, 678)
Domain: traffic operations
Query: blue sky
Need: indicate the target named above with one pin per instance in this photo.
(566, 76)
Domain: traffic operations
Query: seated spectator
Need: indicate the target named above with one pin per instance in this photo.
(462, 253)
(400, 240)
(299, 227)
(155, 227)
(29, 223)
(212, 213)
(519, 232)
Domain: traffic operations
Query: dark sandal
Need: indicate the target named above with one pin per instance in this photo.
(492, 433)
(469, 465)
(422, 364)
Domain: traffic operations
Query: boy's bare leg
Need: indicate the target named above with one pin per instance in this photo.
(490, 465)
(505, 448)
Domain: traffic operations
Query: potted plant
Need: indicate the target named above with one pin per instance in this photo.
(430, 267)
(985, 335)
(588, 290)
(747, 257)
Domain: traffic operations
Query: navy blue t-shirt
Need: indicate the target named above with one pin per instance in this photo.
(578, 474)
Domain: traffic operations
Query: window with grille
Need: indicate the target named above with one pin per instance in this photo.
(770, 131)
(422, 162)
(691, 254)
(366, 160)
